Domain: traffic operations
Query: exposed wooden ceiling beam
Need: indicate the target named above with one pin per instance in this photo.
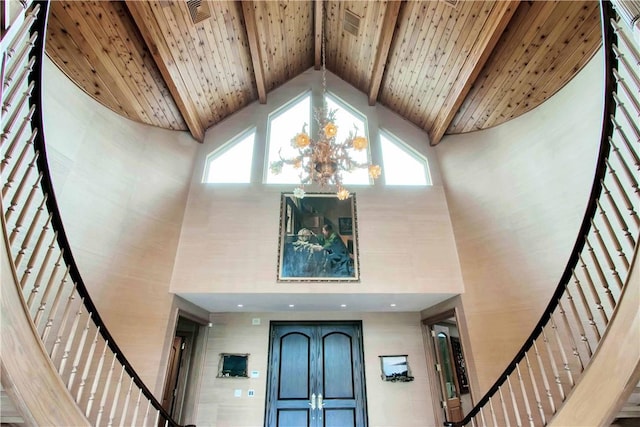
(254, 47)
(500, 16)
(161, 52)
(317, 20)
(384, 43)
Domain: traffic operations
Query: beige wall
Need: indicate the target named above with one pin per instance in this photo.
(517, 195)
(389, 404)
(121, 187)
(229, 240)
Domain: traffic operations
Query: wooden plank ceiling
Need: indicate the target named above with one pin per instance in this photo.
(447, 66)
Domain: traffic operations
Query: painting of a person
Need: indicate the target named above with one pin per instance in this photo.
(337, 253)
(303, 258)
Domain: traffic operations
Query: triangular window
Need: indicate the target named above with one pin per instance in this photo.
(401, 164)
(231, 163)
(283, 127)
(348, 120)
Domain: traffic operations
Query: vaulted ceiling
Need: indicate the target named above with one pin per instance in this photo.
(448, 66)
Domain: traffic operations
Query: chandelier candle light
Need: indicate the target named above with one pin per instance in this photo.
(322, 160)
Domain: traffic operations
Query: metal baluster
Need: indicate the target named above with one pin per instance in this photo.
(79, 350)
(47, 291)
(574, 310)
(12, 146)
(554, 365)
(536, 392)
(105, 392)
(525, 396)
(616, 210)
(54, 306)
(96, 380)
(70, 337)
(87, 365)
(116, 398)
(545, 379)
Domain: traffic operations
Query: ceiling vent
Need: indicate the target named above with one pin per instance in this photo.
(452, 3)
(351, 22)
(199, 10)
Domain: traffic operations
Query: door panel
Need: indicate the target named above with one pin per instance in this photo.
(293, 418)
(316, 376)
(294, 366)
(338, 367)
(339, 417)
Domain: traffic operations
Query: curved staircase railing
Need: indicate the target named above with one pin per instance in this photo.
(95, 371)
(108, 390)
(548, 366)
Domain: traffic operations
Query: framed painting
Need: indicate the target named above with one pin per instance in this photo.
(313, 244)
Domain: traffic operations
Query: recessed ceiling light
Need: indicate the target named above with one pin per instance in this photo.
(392, 305)
(343, 305)
(291, 305)
(240, 305)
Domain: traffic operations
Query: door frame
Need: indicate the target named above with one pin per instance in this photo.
(432, 374)
(189, 379)
(356, 323)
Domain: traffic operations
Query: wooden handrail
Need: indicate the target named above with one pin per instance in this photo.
(587, 226)
(37, 33)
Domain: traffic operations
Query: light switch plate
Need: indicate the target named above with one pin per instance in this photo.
(251, 393)
(255, 321)
(237, 393)
(255, 374)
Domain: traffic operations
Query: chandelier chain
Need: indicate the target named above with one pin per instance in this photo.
(323, 48)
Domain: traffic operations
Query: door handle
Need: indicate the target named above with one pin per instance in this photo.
(313, 401)
(320, 406)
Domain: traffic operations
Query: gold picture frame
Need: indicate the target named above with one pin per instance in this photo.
(305, 252)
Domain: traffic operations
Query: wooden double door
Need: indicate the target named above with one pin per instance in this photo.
(316, 375)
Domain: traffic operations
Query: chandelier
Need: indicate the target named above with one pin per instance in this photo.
(323, 159)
